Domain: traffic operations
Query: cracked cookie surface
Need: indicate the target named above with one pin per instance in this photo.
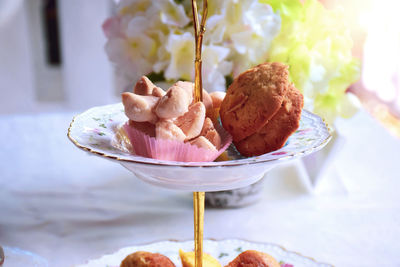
(278, 129)
(253, 99)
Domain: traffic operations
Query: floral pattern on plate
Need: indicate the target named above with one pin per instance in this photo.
(94, 130)
(224, 251)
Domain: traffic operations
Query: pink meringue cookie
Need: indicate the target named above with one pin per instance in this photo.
(173, 104)
(145, 127)
(143, 86)
(217, 98)
(140, 108)
(202, 142)
(210, 133)
(170, 125)
(188, 87)
(208, 103)
(192, 121)
(207, 126)
(158, 92)
(214, 137)
(166, 129)
(163, 149)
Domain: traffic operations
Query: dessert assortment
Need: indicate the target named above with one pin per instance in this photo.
(261, 109)
(146, 259)
(248, 258)
(187, 125)
(156, 116)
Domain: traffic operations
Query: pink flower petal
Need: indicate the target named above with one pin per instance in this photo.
(112, 27)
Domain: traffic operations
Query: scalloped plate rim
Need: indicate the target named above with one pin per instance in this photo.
(176, 241)
(165, 163)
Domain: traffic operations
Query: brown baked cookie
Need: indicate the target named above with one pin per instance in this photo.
(253, 258)
(253, 98)
(146, 259)
(278, 129)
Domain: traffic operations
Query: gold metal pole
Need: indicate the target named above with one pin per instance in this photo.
(199, 30)
(198, 207)
(198, 197)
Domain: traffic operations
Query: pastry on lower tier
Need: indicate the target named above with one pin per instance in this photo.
(253, 99)
(253, 258)
(278, 129)
(188, 259)
(146, 259)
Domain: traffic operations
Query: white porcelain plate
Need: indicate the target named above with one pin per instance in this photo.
(95, 131)
(15, 257)
(224, 251)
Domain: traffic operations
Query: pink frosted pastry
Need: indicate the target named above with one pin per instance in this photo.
(139, 108)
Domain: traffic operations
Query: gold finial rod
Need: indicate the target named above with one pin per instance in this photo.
(198, 197)
(199, 30)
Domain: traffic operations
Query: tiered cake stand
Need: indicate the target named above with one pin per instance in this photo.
(98, 131)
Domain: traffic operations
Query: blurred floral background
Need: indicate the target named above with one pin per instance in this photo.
(146, 37)
(340, 52)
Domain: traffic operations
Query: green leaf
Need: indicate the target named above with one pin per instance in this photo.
(222, 254)
(156, 77)
(239, 249)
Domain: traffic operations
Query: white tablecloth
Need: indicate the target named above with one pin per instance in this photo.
(67, 206)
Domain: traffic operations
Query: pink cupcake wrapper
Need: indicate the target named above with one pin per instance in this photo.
(163, 149)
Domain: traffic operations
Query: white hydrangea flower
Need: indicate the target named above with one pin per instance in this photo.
(136, 34)
(133, 7)
(157, 36)
(215, 30)
(181, 63)
(247, 27)
(215, 67)
(180, 66)
(173, 14)
(130, 62)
